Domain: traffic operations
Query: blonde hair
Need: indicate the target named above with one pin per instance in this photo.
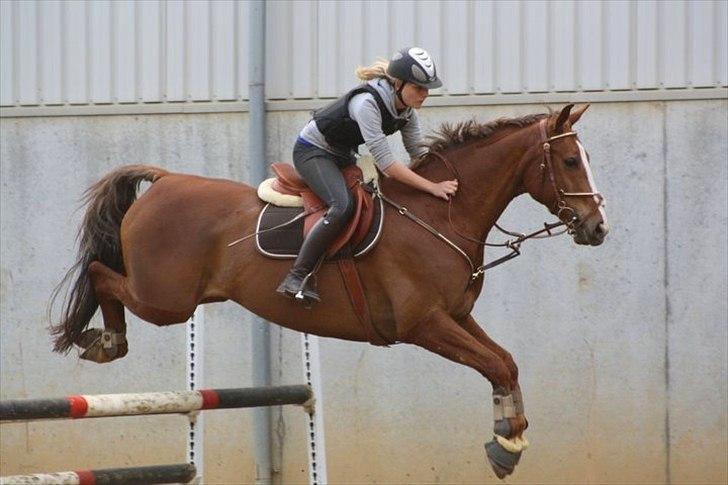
(378, 69)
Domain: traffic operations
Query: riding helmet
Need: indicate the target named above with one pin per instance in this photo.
(414, 65)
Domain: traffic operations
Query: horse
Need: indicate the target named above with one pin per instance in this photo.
(166, 251)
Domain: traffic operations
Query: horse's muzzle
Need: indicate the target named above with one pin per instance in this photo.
(591, 234)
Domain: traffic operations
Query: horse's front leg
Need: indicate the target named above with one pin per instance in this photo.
(519, 423)
(444, 336)
(472, 327)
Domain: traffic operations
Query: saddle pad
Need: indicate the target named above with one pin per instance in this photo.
(284, 242)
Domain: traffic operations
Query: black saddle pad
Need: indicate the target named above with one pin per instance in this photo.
(285, 242)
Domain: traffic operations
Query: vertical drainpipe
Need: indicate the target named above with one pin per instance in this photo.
(260, 330)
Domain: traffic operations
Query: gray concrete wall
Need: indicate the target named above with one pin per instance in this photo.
(622, 348)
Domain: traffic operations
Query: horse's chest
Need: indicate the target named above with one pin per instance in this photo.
(462, 306)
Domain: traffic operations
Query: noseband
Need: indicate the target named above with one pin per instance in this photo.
(561, 205)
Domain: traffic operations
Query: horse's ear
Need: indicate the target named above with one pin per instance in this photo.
(563, 116)
(574, 117)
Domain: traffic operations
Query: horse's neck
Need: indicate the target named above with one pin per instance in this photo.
(490, 178)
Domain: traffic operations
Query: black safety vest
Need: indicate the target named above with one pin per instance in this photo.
(342, 132)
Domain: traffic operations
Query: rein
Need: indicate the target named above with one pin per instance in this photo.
(515, 244)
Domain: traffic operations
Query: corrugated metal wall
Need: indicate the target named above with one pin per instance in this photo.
(165, 51)
(102, 51)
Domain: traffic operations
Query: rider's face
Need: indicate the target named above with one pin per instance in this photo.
(414, 95)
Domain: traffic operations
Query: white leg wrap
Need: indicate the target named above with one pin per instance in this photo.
(524, 442)
(503, 407)
(111, 339)
(510, 445)
(514, 446)
(518, 399)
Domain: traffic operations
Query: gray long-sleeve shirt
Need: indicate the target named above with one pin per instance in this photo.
(364, 110)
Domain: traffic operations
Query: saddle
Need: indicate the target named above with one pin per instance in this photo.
(289, 196)
(297, 193)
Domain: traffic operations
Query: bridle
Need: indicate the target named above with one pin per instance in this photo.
(572, 223)
(561, 205)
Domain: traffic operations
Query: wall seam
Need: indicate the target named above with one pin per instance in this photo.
(162, 39)
(666, 288)
(113, 56)
(138, 55)
(39, 55)
(212, 93)
(15, 61)
(88, 54)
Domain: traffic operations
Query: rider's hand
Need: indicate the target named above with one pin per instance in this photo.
(445, 189)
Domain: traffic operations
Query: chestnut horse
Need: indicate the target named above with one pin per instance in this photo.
(166, 252)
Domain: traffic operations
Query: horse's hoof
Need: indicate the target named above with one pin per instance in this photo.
(96, 354)
(89, 337)
(502, 460)
(102, 346)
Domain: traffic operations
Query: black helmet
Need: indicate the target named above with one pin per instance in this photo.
(414, 65)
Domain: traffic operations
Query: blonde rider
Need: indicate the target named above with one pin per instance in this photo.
(385, 103)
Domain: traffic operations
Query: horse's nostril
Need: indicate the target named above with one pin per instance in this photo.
(601, 229)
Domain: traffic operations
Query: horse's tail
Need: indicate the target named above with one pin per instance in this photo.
(98, 240)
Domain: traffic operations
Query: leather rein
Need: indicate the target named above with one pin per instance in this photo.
(572, 223)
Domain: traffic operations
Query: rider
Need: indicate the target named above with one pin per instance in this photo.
(385, 103)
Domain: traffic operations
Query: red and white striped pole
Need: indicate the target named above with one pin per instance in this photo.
(176, 402)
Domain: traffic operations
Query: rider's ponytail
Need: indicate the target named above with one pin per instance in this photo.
(376, 70)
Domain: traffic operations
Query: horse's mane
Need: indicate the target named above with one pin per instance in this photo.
(449, 134)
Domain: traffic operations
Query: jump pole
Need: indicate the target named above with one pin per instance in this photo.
(188, 402)
(139, 404)
(180, 473)
(109, 405)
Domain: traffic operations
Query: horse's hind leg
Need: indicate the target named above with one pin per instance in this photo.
(110, 344)
(444, 336)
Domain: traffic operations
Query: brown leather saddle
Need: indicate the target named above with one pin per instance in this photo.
(290, 183)
(277, 237)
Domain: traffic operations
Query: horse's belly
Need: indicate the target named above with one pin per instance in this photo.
(332, 317)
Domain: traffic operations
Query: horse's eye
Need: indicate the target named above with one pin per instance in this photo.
(570, 162)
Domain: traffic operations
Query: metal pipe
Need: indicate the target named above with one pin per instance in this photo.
(260, 329)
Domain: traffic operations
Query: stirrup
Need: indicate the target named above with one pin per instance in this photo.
(300, 292)
(306, 293)
(306, 296)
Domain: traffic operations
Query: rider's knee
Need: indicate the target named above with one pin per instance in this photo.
(341, 213)
(350, 206)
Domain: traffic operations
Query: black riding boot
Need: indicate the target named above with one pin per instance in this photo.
(298, 284)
